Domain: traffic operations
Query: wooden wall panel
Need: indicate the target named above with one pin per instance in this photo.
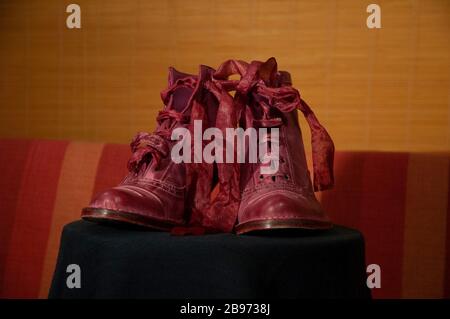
(385, 89)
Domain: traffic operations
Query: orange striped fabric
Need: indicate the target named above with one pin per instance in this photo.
(75, 187)
(399, 201)
(32, 214)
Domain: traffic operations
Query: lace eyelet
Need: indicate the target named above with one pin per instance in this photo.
(274, 178)
(286, 176)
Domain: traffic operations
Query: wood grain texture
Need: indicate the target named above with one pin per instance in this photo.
(385, 89)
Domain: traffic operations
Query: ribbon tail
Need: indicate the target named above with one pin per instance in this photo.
(322, 150)
(199, 177)
(221, 214)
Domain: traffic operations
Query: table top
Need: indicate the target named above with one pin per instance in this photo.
(117, 234)
(129, 262)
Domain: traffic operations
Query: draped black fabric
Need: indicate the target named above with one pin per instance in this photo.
(123, 262)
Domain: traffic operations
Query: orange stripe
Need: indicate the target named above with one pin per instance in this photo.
(75, 186)
(425, 223)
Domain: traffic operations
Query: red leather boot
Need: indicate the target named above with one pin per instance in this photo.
(154, 193)
(286, 198)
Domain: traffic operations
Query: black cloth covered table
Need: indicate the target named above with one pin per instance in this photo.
(127, 262)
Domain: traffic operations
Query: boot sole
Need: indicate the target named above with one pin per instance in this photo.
(107, 215)
(269, 224)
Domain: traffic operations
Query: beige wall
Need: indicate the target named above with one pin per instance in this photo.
(385, 89)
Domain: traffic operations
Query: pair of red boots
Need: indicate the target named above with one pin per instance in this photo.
(162, 194)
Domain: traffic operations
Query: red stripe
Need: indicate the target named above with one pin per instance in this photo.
(447, 245)
(383, 208)
(33, 214)
(343, 202)
(112, 167)
(370, 196)
(13, 156)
